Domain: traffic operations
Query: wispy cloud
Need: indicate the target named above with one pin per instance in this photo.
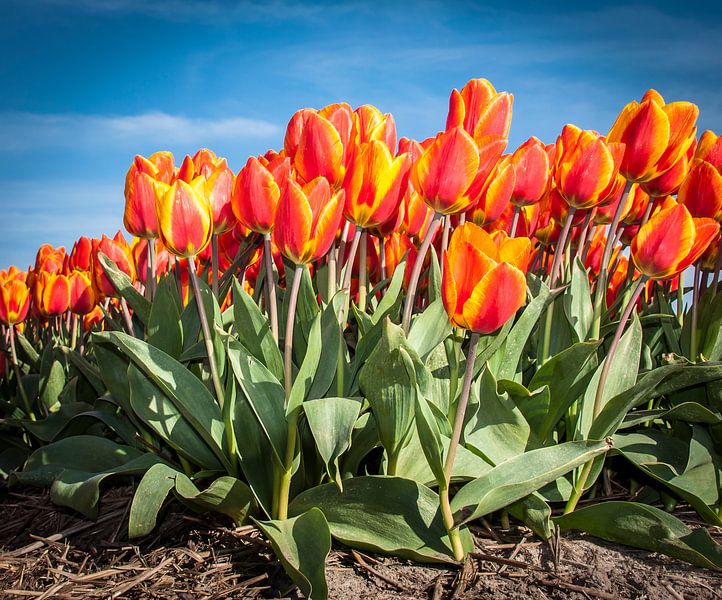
(21, 131)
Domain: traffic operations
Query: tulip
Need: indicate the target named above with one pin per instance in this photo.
(369, 124)
(51, 294)
(94, 317)
(495, 195)
(342, 118)
(701, 191)
(480, 110)
(320, 151)
(671, 241)
(11, 274)
(255, 197)
(185, 218)
(307, 219)
(82, 255)
(480, 289)
(374, 184)
(396, 247)
(139, 216)
(117, 250)
(14, 302)
(82, 298)
(710, 149)
(532, 170)
(49, 259)
(670, 181)
(656, 135)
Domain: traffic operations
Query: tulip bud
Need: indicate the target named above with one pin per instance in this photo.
(51, 294)
(185, 218)
(255, 196)
(14, 302)
(117, 250)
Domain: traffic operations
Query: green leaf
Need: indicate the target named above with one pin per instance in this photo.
(113, 369)
(185, 390)
(691, 375)
(302, 544)
(520, 476)
(254, 331)
(124, 286)
(577, 300)
(567, 375)
(430, 438)
(622, 376)
(646, 527)
(429, 329)
(52, 378)
(159, 413)
(331, 421)
(389, 515)
(513, 347)
(434, 276)
(148, 499)
(27, 348)
(390, 297)
(164, 325)
(265, 396)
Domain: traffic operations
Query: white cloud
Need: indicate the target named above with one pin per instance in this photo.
(21, 131)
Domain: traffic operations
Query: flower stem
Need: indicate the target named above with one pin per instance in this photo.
(150, 276)
(16, 368)
(561, 246)
(453, 445)
(214, 265)
(284, 486)
(587, 469)
(445, 238)
(515, 221)
(416, 272)
(696, 285)
(126, 316)
(272, 303)
(351, 258)
(362, 273)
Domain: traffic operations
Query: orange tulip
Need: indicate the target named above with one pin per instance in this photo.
(140, 194)
(51, 294)
(320, 150)
(117, 250)
(255, 196)
(586, 167)
(481, 290)
(532, 172)
(480, 110)
(656, 135)
(396, 247)
(671, 241)
(710, 149)
(185, 217)
(708, 261)
(94, 317)
(446, 170)
(515, 251)
(11, 274)
(307, 219)
(14, 302)
(669, 182)
(342, 118)
(701, 191)
(82, 255)
(218, 188)
(495, 195)
(49, 259)
(369, 123)
(139, 249)
(83, 298)
(374, 184)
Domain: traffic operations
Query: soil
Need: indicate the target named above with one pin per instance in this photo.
(51, 552)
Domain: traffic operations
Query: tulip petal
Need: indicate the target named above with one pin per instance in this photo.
(664, 242)
(495, 299)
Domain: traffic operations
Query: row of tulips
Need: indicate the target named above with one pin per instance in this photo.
(245, 340)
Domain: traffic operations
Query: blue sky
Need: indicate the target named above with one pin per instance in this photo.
(86, 84)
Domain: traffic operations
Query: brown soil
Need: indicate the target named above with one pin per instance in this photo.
(49, 552)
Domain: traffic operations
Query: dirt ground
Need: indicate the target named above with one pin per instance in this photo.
(49, 552)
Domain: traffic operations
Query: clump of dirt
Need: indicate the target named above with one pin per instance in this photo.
(50, 552)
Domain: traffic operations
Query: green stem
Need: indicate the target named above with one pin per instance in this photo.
(515, 221)
(454, 442)
(416, 272)
(16, 369)
(392, 464)
(272, 303)
(362, 273)
(150, 275)
(215, 377)
(561, 246)
(680, 299)
(214, 264)
(126, 316)
(696, 285)
(600, 291)
(284, 486)
(587, 469)
(382, 258)
(445, 238)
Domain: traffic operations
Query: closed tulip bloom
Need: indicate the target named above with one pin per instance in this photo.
(532, 172)
(49, 259)
(82, 255)
(14, 302)
(656, 135)
(139, 249)
(639, 203)
(320, 151)
(11, 274)
(307, 219)
(708, 260)
(219, 186)
(374, 184)
(701, 191)
(255, 197)
(341, 117)
(51, 294)
(586, 167)
(140, 193)
(480, 110)
(83, 298)
(671, 241)
(397, 246)
(710, 149)
(165, 166)
(93, 318)
(185, 218)
(480, 291)
(369, 123)
(670, 181)
(515, 251)
(495, 195)
(117, 250)
(445, 171)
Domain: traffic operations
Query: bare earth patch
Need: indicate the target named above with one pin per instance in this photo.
(49, 552)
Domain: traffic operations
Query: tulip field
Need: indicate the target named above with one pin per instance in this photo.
(381, 344)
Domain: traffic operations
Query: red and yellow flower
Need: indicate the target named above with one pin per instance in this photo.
(51, 294)
(185, 217)
(14, 301)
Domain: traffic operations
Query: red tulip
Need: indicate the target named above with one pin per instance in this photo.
(14, 302)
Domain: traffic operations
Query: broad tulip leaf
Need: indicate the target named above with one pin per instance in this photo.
(124, 286)
(148, 499)
(302, 544)
(254, 332)
(643, 526)
(390, 297)
(159, 413)
(520, 476)
(27, 348)
(164, 324)
(577, 301)
(430, 438)
(429, 329)
(52, 378)
(691, 375)
(331, 421)
(567, 375)
(389, 515)
(185, 390)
